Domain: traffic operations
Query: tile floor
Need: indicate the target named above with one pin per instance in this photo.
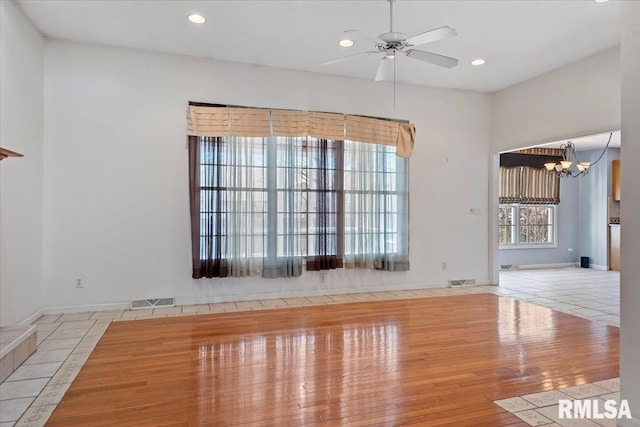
(65, 341)
(586, 293)
(541, 409)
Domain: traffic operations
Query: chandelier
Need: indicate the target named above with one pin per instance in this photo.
(569, 159)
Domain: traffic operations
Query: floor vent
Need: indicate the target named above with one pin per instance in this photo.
(462, 282)
(138, 304)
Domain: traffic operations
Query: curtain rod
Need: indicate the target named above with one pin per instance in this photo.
(206, 104)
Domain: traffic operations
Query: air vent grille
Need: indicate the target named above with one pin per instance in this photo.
(462, 282)
(138, 304)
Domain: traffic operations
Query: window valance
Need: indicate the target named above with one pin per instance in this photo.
(541, 151)
(523, 184)
(213, 121)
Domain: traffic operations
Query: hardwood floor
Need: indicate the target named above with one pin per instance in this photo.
(429, 361)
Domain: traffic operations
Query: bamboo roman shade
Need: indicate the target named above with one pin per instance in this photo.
(366, 129)
(207, 121)
(228, 121)
(212, 121)
(326, 126)
(290, 123)
(406, 139)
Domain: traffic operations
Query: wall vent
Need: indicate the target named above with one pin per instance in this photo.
(508, 267)
(138, 304)
(462, 282)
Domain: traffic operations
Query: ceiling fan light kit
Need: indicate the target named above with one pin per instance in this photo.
(393, 43)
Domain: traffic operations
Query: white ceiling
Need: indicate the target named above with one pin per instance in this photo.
(519, 39)
(590, 142)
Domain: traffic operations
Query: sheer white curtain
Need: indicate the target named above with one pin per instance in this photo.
(244, 193)
(376, 207)
(287, 219)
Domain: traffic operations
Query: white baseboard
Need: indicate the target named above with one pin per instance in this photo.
(539, 266)
(88, 307)
(212, 299)
(32, 317)
(599, 267)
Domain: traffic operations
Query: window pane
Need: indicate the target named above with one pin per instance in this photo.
(506, 235)
(312, 246)
(258, 247)
(534, 234)
(535, 215)
(506, 215)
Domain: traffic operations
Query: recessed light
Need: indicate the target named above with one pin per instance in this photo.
(197, 19)
(601, 1)
(346, 43)
(477, 62)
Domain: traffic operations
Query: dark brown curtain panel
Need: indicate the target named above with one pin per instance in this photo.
(207, 210)
(325, 192)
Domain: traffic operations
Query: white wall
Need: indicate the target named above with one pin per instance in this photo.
(630, 206)
(579, 99)
(116, 181)
(21, 104)
(593, 215)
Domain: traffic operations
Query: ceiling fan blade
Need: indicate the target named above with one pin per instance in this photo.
(432, 58)
(431, 36)
(365, 36)
(385, 70)
(344, 58)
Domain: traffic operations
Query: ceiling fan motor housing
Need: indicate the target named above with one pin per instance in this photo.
(393, 37)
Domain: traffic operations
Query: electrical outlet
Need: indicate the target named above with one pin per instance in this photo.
(444, 265)
(323, 278)
(79, 283)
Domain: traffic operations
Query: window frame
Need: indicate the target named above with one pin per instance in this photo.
(516, 227)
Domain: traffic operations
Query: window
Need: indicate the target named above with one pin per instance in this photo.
(374, 182)
(268, 203)
(522, 225)
(233, 199)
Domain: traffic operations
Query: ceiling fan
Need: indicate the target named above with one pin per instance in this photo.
(393, 43)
